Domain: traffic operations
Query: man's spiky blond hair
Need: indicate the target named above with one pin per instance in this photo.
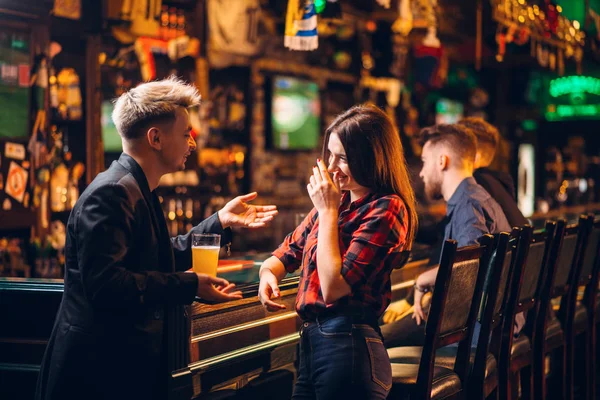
(152, 102)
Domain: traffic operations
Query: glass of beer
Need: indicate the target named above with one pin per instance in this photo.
(205, 253)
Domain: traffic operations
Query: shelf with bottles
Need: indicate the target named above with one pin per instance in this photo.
(13, 258)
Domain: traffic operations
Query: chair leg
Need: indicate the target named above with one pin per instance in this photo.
(556, 385)
(526, 383)
(592, 357)
(569, 367)
(493, 395)
(582, 367)
(539, 375)
(513, 386)
(503, 387)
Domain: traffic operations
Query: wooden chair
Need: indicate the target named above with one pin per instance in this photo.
(557, 332)
(501, 312)
(515, 356)
(452, 315)
(484, 370)
(584, 319)
(591, 262)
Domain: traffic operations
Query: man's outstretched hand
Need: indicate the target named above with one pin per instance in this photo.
(238, 213)
(216, 290)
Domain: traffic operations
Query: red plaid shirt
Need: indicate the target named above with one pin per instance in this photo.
(372, 235)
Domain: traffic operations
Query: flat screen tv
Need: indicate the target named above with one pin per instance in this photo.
(295, 114)
(448, 111)
(15, 76)
(110, 135)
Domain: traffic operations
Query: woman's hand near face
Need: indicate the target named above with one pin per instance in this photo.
(324, 191)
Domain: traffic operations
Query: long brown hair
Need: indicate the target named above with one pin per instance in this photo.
(375, 156)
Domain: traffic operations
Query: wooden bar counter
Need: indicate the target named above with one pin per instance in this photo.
(215, 346)
(232, 342)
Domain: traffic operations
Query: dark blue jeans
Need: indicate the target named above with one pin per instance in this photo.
(341, 357)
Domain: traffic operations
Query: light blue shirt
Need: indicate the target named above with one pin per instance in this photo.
(471, 213)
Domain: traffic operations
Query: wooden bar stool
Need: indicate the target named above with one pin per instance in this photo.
(516, 353)
(503, 311)
(484, 365)
(585, 320)
(558, 330)
(454, 307)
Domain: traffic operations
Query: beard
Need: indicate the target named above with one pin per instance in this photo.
(433, 188)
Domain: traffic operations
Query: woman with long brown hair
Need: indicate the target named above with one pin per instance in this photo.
(364, 218)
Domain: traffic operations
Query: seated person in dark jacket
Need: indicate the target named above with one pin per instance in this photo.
(448, 158)
(498, 184)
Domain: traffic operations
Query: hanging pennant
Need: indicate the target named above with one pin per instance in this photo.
(301, 27)
(430, 66)
(233, 26)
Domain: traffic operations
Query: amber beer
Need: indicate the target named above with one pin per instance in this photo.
(205, 253)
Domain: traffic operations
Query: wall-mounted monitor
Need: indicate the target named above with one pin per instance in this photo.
(295, 114)
(15, 76)
(448, 111)
(110, 135)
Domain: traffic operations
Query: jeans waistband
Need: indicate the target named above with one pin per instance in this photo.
(356, 314)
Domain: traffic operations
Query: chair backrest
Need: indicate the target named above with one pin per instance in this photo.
(506, 265)
(536, 254)
(568, 290)
(454, 307)
(492, 304)
(592, 252)
(566, 260)
(591, 262)
(532, 255)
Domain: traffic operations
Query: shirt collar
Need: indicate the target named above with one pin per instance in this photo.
(460, 190)
(345, 204)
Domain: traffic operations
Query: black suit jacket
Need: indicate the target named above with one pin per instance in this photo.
(502, 189)
(121, 286)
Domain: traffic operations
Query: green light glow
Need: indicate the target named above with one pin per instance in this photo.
(574, 84)
(562, 112)
(529, 125)
(18, 44)
(320, 6)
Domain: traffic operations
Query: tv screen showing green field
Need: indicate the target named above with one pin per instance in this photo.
(295, 114)
(110, 135)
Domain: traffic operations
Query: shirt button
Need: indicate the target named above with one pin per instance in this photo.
(306, 324)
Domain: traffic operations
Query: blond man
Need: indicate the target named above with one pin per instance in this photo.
(124, 277)
(499, 185)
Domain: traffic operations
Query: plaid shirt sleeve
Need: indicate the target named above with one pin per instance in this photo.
(382, 231)
(291, 250)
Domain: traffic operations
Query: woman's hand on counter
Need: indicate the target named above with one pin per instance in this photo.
(268, 289)
(216, 290)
